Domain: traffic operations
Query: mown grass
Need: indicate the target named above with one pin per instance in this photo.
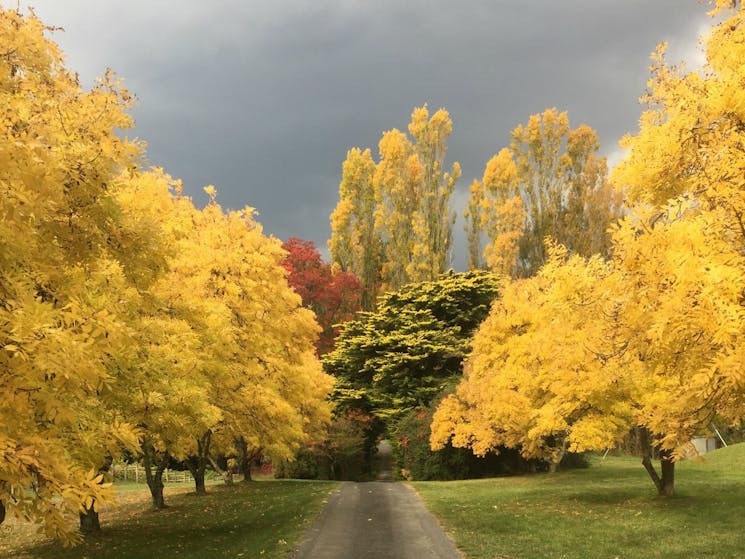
(609, 510)
(263, 519)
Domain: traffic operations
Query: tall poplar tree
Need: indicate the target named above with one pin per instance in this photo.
(549, 182)
(393, 222)
(355, 243)
(433, 217)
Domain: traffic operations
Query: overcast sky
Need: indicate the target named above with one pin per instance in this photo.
(263, 99)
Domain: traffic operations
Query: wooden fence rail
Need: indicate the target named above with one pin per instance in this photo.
(136, 473)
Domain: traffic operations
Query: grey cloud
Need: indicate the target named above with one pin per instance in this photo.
(263, 99)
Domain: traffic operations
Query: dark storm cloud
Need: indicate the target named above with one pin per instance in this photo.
(264, 99)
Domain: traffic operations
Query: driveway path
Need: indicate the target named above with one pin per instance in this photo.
(378, 519)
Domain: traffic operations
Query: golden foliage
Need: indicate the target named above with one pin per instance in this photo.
(123, 305)
(653, 337)
(393, 222)
(548, 183)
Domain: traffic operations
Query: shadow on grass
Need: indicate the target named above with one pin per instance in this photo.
(610, 510)
(247, 520)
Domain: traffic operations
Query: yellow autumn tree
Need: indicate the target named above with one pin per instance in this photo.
(575, 357)
(269, 386)
(225, 352)
(536, 379)
(682, 314)
(355, 244)
(433, 218)
(393, 222)
(65, 259)
(662, 321)
(684, 253)
(549, 182)
(128, 318)
(474, 227)
(496, 208)
(163, 380)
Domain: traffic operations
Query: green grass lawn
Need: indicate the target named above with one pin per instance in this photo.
(263, 519)
(610, 510)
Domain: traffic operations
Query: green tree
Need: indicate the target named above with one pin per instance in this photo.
(410, 350)
(407, 351)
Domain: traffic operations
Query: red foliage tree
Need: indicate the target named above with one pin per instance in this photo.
(332, 294)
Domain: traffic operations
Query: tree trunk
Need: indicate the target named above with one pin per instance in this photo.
(246, 469)
(667, 466)
(198, 464)
(156, 493)
(89, 521)
(199, 487)
(561, 451)
(227, 474)
(245, 457)
(154, 479)
(156, 486)
(665, 484)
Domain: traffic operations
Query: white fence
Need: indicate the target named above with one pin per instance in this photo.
(136, 473)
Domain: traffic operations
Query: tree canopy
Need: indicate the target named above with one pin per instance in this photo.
(333, 295)
(407, 351)
(654, 337)
(129, 318)
(535, 379)
(66, 256)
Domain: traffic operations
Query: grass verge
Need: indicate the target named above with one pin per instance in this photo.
(609, 510)
(263, 519)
